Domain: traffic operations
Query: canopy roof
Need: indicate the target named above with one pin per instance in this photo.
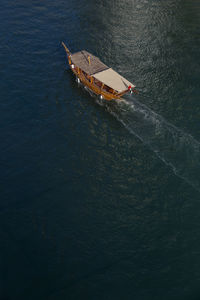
(92, 65)
(80, 59)
(113, 80)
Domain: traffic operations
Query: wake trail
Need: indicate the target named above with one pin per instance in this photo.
(177, 149)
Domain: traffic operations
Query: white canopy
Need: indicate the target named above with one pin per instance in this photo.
(113, 80)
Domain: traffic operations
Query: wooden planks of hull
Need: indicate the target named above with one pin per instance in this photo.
(94, 74)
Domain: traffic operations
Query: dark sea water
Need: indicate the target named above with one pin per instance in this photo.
(100, 201)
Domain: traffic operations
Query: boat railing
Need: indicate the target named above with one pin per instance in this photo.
(94, 82)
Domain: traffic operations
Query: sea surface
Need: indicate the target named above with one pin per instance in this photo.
(98, 200)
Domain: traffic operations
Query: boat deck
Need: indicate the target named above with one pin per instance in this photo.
(80, 59)
(97, 76)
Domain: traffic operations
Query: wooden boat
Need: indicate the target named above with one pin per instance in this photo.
(95, 75)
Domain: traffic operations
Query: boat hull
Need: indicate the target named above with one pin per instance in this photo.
(92, 83)
(94, 88)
